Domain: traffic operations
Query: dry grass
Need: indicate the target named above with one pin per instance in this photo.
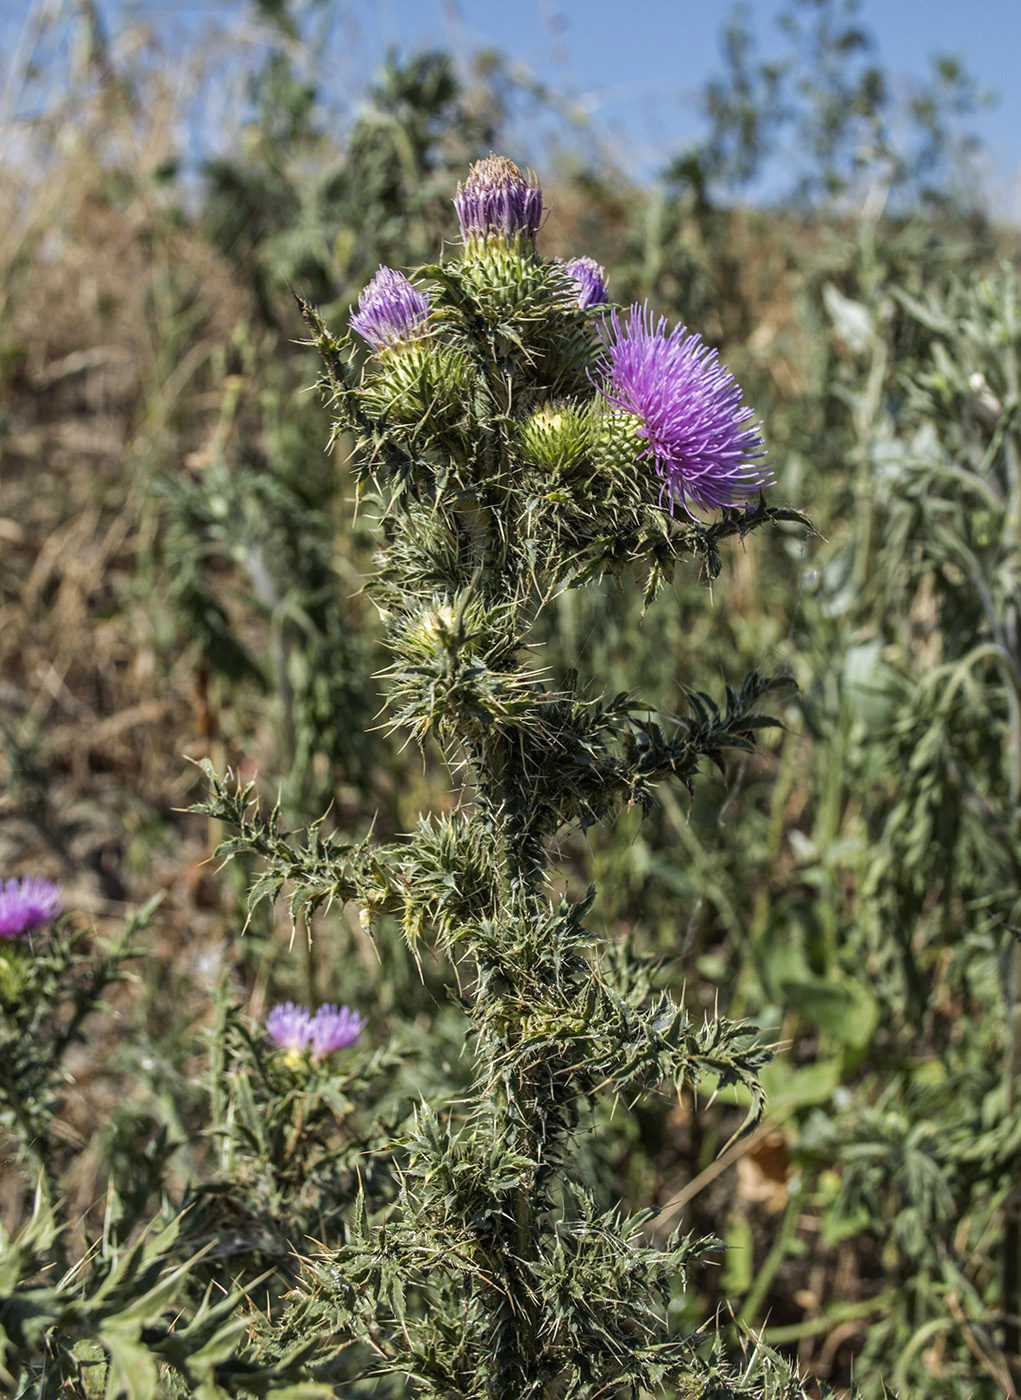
(114, 316)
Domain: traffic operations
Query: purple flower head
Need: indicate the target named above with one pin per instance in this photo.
(390, 310)
(290, 1026)
(26, 905)
(497, 199)
(295, 1029)
(591, 280)
(690, 408)
(334, 1028)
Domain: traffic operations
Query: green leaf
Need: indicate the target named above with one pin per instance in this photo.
(790, 1087)
(846, 1009)
(132, 1369)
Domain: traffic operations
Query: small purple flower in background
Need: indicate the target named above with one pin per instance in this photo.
(295, 1029)
(497, 199)
(290, 1026)
(690, 407)
(390, 310)
(591, 280)
(334, 1028)
(26, 905)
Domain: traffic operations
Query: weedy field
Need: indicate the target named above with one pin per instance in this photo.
(360, 718)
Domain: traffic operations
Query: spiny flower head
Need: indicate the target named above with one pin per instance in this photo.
(497, 200)
(706, 447)
(391, 310)
(591, 280)
(26, 905)
(295, 1029)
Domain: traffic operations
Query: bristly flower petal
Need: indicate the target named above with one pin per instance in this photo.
(334, 1028)
(390, 310)
(496, 199)
(296, 1030)
(591, 280)
(290, 1027)
(706, 446)
(27, 904)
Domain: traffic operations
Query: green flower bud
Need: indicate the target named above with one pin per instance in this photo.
(618, 442)
(427, 634)
(556, 437)
(420, 383)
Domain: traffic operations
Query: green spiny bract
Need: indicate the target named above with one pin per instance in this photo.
(420, 383)
(557, 437)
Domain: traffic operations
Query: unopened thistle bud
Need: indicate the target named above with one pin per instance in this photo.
(438, 632)
(617, 442)
(496, 201)
(426, 635)
(590, 279)
(556, 437)
(391, 311)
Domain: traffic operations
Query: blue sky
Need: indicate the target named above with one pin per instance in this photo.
(634, 68)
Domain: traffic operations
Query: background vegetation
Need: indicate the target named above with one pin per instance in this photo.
(179, 576)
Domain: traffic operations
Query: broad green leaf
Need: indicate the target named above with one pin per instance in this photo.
(788, 1086)
(132, 1370)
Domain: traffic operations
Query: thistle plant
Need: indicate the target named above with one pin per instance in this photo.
(519, 439)
(51, 982)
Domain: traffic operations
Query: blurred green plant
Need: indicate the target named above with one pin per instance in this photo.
(112, 1326)
(49, 986)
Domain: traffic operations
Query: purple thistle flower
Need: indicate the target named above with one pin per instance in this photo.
(295, 1029)
(290, 1026)
(334, 1028)
(26, 905)
(390, 309)
(591, 280)
(497, 199)
(690, 407)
